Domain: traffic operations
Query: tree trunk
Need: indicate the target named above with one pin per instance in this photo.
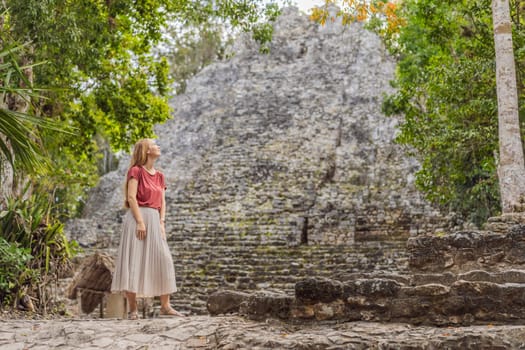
(511, 168)
(6, 171)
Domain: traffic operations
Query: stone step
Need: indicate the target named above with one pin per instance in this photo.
(263, 267)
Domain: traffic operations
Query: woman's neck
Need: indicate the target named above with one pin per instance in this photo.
(149, 166)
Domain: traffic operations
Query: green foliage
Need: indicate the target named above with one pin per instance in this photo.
(43, 247)
(13, 269)
(248, 16)
(108, 84)
(445, 85)
(20, 129)
(99, 54)
(263, 31)
(25, 221)
(195, 43)
(191, 49)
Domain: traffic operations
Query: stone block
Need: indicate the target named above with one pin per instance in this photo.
(426, 290)
(261, 305)
(460, 302)
(116, 306)
(467, 250)
(329, 311)
(377, 287)
(225, 301)
(317, 289)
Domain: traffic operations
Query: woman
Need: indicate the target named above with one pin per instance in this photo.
(144, 267)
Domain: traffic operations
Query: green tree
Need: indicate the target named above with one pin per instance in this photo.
(107, 81)
(446, 90)
(191, 49)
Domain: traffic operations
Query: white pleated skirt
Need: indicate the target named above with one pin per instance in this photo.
(144, 266)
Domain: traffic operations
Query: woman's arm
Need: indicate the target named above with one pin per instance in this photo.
(163, 215)
(134, 206)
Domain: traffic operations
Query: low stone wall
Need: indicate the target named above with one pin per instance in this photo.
(457, 279)
(473, 298)
(468, 250)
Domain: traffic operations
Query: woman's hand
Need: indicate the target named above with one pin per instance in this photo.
(141, 231)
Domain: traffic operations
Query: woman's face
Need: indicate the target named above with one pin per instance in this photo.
(153, 149)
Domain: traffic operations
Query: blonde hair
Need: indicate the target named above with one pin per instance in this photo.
(138, 157)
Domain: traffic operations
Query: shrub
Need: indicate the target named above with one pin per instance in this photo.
(41, 247)
(13, 269)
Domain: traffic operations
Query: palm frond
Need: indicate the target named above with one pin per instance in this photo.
(19, 141)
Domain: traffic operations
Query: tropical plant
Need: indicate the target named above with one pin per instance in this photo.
(20, 142)
(26, 222)
(14, 272)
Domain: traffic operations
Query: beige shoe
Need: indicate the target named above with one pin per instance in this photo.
(170, 312)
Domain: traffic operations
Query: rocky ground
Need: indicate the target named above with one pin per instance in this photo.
(233, 332)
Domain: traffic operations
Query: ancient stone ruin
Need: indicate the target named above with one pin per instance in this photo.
(457, 279)
(280, 167)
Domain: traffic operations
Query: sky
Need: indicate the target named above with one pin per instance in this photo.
(305, 5)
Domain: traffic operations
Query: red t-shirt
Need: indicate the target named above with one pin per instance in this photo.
(149, 188)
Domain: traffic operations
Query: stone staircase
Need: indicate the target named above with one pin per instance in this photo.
(203, 266)
(216, 246)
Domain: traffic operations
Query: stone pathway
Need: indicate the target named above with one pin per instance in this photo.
(231, 332)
